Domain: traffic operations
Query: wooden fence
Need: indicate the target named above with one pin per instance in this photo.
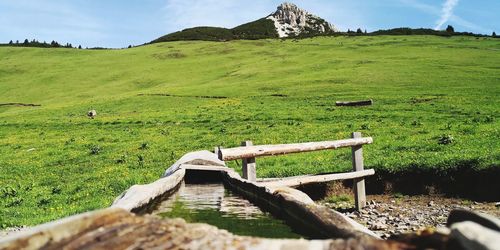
(248, 154)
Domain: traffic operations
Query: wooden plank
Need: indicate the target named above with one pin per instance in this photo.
(358, 166)
(229, 154)
(355, 103)
(249, 165)
(205, 168)
(308, 179)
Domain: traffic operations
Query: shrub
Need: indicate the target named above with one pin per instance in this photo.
(144, 146)
(95, 149)
(445, 139)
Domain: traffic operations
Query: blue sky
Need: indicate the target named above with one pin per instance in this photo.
(118, 23)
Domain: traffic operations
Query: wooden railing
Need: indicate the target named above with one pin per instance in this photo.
(248, 154)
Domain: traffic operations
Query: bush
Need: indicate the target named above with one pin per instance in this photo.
(95, 149)
(445, 139)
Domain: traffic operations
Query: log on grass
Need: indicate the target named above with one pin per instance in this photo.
(355, 103)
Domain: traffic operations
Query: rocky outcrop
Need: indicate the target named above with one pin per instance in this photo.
(291, 20)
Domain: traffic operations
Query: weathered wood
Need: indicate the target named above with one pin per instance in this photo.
(249, 165)
(298, 209)
(205, 168)
(308, 179)
(117, 229)
(358, 165)
(269, 150)
(355, 103)
(139, 197)
(55, 232)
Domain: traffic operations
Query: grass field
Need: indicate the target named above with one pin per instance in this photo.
(436, 109)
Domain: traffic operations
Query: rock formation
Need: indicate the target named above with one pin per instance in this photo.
(291, 20)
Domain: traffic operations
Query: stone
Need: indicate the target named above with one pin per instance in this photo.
(378, 226)
(290, 20)
(457, 216)
(92, 114)
(471, 236)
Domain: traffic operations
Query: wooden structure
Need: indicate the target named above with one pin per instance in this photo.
(115, 228)
(248, 154)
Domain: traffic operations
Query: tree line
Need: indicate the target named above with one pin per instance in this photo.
(35, 43)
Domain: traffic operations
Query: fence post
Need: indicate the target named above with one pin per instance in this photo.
(249, 165)
(357, 165)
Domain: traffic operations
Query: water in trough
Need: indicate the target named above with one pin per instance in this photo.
(215, 205)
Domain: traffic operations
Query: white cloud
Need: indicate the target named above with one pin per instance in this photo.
(180, 14)
(446, 13)
(436, 11)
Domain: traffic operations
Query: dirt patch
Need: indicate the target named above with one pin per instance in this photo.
(279, 95)
(187, 96)
(176, 54)
(18, 104)
(389, 215)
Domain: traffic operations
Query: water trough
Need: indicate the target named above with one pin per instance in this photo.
(291, 205)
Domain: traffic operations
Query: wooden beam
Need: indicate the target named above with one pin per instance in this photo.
(205, 168)
(358, 166)
(229, 154)
(355, 103)
(249, 165)
(308, 179)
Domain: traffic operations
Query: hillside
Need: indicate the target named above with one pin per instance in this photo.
(435, 117)
(259, 29)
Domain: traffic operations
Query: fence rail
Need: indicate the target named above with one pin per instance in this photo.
(246, 152)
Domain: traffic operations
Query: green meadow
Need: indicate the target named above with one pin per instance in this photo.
(436, 109)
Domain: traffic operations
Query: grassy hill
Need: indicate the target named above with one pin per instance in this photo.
(260, 29)
(436, 113)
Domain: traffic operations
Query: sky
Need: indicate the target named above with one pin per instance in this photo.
(119, 23)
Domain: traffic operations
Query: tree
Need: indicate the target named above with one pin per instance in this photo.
(359, 31)
(26, 41)
(79, 46)
(13, 42)
(17, 41)
(55, 44)
(493, 34)
(450, 29)
(130, 46)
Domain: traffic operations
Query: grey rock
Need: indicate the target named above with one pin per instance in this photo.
(471, 235)
(291, 20)
(457, 216)
(378, 226)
